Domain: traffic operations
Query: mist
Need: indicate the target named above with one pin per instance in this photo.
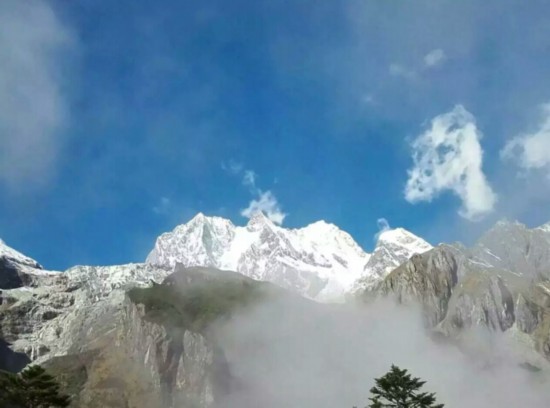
(301, 354)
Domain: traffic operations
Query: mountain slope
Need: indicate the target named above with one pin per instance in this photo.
(501, 283)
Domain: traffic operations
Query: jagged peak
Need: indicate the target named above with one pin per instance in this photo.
(10, 253)
(545, 227)
(503, 226)
(399, 235)
(258, 220)
(506, 222)
(202, 219)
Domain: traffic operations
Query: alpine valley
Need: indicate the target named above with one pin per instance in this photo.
(177, 330)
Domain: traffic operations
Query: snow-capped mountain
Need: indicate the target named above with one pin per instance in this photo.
(319, 261)
(85, 313)
(48, 309)
(12, 255)
(394, 247)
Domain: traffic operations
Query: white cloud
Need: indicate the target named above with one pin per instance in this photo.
(383, 226)
(401, 71)
(531, 150)
(448, 157)
(434, 58)
(268, 204)
(163, 207)
(34, 46)
(232, 167)
(249, 178)
(265, 201)
(431, 60)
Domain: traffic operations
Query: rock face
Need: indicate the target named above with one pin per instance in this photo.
(501, 284)
(104, 333)
(138, 363)
(46, 319)
(107, 349)
(319, 261)
(513, 247)
(482, 300)
(428, 278)
(533, 315)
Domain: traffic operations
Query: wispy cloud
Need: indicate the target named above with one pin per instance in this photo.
(264, 201)
(531, 150)
(163, 207)
(402, 71)
(434, 58)
(249, 178)
(448, 157)
(267, 203)
(34, 46)
(383, 226)
(232, 167)
(431, 60)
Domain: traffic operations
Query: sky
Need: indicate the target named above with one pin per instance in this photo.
(120, 120)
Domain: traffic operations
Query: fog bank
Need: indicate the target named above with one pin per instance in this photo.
(300, 354)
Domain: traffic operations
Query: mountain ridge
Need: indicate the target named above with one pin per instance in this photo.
(82, 323)
(319, 260)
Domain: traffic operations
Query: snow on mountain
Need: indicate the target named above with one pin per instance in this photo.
(394, 247)
(44, 309)
(545, 227)
(320, 261)
(12, 255)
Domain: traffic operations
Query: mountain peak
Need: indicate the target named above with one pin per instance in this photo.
(506, 223)
(394, 247)
(321, 225)
(199, 217)
(257, 221)
(401, 236)
(545, 227)
(13, 255)
(211, 221)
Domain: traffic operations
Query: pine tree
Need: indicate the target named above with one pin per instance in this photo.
(398, 389)
(32, 388)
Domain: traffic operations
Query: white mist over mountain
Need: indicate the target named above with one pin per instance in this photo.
(289, 354)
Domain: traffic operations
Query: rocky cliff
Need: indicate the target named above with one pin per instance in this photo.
(500, 284)
(138, 344)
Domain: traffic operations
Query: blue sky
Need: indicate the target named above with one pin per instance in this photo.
(120, 120)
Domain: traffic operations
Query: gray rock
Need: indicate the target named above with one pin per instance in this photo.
(428, 279)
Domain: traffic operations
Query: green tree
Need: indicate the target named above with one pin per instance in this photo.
(398, 389)
(31, 388)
